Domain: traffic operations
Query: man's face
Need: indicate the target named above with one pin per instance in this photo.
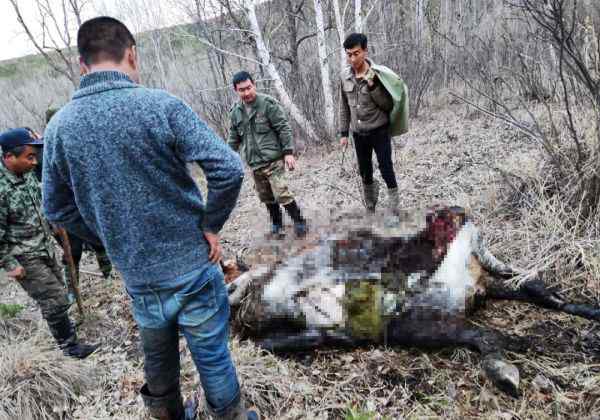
(356, 57)
(246, 90)
(23, 163)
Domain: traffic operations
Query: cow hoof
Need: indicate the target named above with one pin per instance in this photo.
(503, 374)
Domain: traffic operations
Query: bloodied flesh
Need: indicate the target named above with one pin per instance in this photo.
(413, 281)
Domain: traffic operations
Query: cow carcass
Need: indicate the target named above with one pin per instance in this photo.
(413, 281)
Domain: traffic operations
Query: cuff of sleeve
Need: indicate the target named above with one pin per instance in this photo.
(344, 133)
(208, 227)
(288, 152)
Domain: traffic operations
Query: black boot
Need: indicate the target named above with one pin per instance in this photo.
(169, 406)
(276, 219)
(299, 222)
(63, 331)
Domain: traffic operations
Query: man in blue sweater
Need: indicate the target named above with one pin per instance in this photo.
(115, 174)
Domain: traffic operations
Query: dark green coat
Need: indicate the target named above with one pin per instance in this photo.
(264, 135)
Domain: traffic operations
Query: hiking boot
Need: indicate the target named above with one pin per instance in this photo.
(371, 196)
(276, 219)
(80, 350)
(236, 412)
(63, 331)
(300, 228)
(169, 406)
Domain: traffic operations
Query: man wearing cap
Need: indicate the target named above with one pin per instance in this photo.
(26, 248)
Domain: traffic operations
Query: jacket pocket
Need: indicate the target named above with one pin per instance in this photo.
(262, 125)
(349, 90)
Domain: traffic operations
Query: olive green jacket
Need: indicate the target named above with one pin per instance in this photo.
(399, 92)
(264, 135)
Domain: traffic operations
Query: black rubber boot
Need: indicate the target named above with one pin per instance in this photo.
(276, 219)
(300, 227)
(63, 331)
(169, 406)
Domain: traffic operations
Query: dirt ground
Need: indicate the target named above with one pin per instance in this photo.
(450, 158)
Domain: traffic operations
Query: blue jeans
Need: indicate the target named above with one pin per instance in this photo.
(199, 308)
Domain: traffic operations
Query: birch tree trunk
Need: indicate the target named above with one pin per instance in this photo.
(358, 22)
(324, 66)
(340, 25)
(265, 59)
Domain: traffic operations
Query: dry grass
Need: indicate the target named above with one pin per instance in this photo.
(448, 158)
(36, 380)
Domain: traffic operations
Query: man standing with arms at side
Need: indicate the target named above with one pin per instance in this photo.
(26, 245)
(115, 173)
(259, 126)
(371, 96)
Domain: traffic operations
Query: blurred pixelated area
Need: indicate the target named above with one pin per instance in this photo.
(355, 277)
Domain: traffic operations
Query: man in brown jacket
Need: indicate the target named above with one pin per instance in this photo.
(364, 110)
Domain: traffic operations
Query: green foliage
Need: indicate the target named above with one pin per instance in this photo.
(10, 310)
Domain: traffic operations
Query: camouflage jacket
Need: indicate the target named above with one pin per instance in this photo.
(23, 231)
(264, 135)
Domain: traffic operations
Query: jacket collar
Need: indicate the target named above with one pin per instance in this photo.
(12, 178)
(102, 81)
(253, 106)
(348, 72)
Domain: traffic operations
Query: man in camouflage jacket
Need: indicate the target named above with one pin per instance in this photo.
(260, 128)
(26, 248)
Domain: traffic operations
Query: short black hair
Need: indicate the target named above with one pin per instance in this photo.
(103, 38)
(354, 40)
(16, 151)
(241, 76)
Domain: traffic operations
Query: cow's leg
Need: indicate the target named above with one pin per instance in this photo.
(535, 291)
(438, 334)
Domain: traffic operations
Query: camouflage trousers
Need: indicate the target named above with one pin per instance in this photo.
(271, 184)
(43, 284)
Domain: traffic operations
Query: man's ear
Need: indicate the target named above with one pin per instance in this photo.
(83, 68)
(132, 57)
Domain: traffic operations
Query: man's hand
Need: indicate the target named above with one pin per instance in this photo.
(290, 162)
(344, 141)
(214, 254)
(17, 274)
(370, 77)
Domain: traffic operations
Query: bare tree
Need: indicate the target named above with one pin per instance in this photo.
(57, 21)
(267, 63)
(324, 66)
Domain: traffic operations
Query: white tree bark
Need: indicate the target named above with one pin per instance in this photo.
(358, 21)
(265, 58)
(420, 6)
(341, 28)
(324, 66)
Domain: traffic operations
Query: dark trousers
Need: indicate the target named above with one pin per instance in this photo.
(77, 247)
(380, 141)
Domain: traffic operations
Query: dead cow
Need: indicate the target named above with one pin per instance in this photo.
(413, 283)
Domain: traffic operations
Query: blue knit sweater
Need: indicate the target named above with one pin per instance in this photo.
(115, 172)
